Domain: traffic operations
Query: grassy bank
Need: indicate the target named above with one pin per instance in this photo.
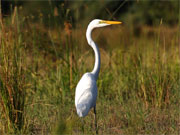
(138, 85)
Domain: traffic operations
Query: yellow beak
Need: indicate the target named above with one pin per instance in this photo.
(111, 22)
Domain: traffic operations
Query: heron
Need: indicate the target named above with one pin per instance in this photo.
(86, 89)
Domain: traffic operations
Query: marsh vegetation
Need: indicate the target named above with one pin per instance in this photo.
(43, 56)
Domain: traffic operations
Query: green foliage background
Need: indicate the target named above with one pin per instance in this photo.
(43, 54)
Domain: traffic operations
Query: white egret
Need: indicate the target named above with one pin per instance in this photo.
(86, 90)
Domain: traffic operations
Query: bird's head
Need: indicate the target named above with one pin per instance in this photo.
(96, 23)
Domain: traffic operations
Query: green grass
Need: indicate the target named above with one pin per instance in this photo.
(138, 85)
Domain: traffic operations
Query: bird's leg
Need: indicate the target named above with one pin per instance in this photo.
(95, 120)
(82, 122)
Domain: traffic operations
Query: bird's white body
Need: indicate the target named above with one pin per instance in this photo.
(86, 90)
(86, 93)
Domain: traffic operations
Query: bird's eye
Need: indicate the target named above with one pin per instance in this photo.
(100, 22)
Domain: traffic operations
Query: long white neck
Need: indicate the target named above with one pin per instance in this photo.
(96, 69)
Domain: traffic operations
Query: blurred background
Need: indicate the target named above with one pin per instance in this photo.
(130, 12)
(44, 53)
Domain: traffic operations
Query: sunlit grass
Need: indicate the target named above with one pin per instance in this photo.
(138, 85)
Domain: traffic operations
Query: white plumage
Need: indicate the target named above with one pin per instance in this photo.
(86, 90)
(86, 93)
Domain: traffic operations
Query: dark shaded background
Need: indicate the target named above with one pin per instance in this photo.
(132, 12)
